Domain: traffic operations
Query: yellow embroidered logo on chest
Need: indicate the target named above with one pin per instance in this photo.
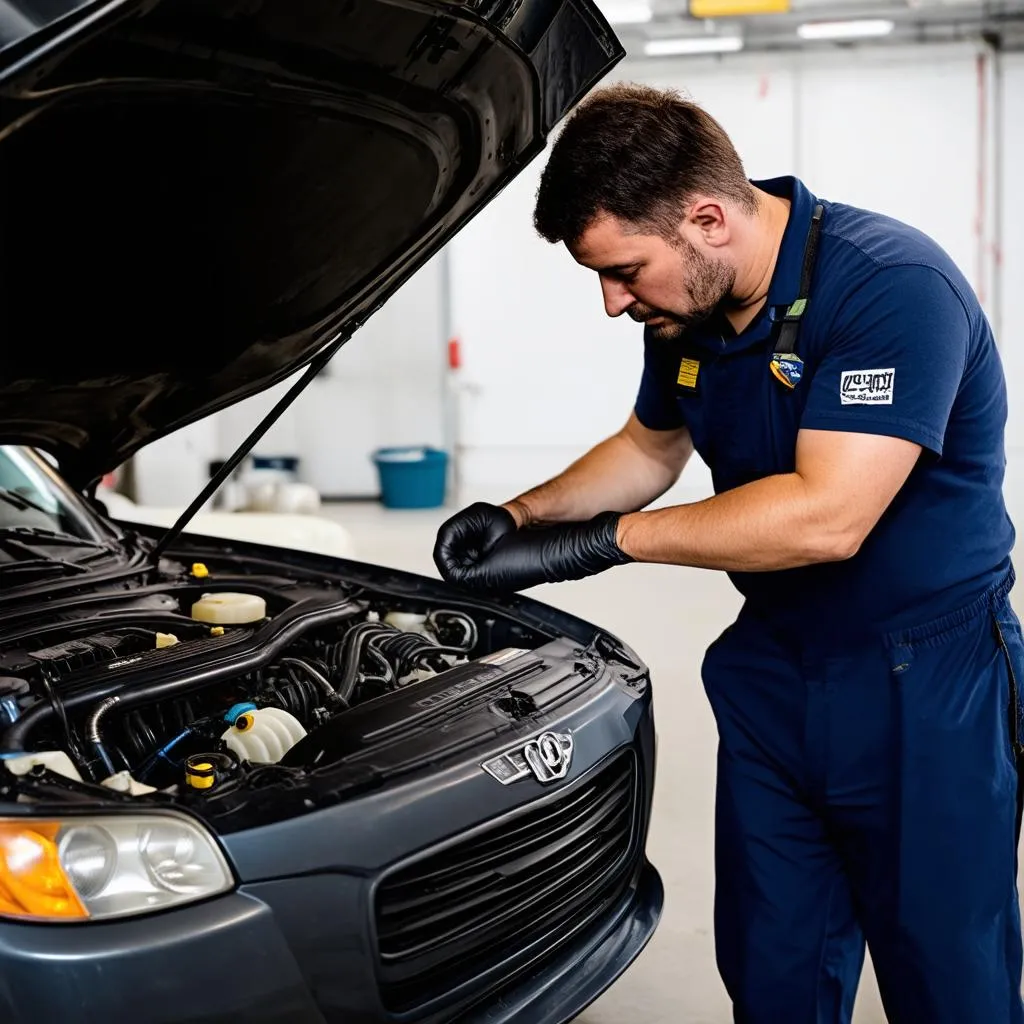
(688, 370)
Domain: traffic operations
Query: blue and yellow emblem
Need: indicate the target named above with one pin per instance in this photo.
(787, 368)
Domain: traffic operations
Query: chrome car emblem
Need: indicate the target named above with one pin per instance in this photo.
(547, 758)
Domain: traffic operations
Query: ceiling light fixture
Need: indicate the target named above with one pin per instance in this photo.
(736, 8)
(693, 45)
(859, 29)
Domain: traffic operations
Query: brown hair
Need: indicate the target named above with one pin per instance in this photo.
(637, 153)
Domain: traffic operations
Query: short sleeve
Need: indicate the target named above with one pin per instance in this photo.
(656, 406)
(896, 357)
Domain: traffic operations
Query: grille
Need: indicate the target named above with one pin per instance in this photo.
(534, 879)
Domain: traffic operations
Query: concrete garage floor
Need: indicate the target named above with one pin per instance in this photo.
(669, 616)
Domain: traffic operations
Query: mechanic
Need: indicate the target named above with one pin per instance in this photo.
(836, 372)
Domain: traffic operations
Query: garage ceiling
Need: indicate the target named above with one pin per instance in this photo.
(670, 27)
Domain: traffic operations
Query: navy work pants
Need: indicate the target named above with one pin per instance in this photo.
(870, 793)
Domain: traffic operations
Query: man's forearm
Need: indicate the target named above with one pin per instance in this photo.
(616, 475)
(775, 523)
(822, 512)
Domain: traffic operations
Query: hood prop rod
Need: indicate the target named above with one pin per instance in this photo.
(314, 368)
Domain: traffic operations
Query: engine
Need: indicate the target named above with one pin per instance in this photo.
(183, 693)
(258, 717)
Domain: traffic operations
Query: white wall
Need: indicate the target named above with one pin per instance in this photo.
(1009, 252)
(172, 471)
(533, 328)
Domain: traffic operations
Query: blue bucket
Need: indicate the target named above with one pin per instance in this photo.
(412, 477)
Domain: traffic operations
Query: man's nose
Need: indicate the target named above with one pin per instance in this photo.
(617, 297)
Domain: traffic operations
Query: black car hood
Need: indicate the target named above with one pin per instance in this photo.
(199, 195)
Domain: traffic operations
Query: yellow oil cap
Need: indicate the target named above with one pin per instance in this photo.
(216, 631)
(199, 772)
(200, 571)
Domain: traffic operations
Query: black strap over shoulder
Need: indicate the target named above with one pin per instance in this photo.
(789, 322)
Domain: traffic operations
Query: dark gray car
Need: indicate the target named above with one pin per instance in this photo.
(240, 783)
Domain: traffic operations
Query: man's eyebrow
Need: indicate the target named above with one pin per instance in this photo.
(618, 268)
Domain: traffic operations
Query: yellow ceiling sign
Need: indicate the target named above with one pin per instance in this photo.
(734, 8)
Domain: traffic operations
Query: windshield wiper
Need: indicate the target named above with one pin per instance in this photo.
(38, 564)
(37, 535)
(20, 502)
(25, 546)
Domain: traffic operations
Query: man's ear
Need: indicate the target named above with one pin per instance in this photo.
(708, 217)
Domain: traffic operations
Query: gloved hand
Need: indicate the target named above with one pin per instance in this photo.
(546, 554)
(469, 535)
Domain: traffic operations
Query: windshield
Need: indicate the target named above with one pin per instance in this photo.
(33, 497)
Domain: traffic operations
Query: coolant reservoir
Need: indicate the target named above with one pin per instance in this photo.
(54, 760)
(262, 735)
(229, 609)
(408, 622)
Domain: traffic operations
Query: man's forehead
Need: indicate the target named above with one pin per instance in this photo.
(609, 243)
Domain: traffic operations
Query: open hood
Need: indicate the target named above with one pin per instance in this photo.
(200, 195)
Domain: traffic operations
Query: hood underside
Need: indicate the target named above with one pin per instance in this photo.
(199, 195)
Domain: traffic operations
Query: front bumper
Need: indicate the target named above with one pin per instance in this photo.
(297, 941)
(569, 984)
(228, 961)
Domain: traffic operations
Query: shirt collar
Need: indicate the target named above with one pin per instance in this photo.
(785, 284)
(784, 287)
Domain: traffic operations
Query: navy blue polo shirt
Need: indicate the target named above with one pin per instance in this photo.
(894, 342)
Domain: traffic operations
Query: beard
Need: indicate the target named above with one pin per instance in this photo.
(709, 283)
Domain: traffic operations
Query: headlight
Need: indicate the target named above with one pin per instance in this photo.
(102, 867)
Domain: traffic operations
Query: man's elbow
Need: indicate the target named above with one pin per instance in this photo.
(837, 543)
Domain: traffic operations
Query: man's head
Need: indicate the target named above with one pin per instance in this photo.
(647, 189)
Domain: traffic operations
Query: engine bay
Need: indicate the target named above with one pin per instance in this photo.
(201, 684)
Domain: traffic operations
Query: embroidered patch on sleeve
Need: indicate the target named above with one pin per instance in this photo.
(867, 387)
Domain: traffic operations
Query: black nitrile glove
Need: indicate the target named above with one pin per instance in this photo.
(469, 535)
(546, 554)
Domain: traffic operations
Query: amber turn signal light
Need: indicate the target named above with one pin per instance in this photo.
(32, 881)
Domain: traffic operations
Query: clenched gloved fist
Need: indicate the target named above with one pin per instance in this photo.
(468, 536)
(546, 554)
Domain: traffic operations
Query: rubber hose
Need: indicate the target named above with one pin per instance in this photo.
(354, 654)
(468, 625)
(322, 681)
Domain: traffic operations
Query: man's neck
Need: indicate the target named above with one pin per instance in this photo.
(754, 274)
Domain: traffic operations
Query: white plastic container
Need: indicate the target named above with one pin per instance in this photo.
(263, 735)
(55, 760)
(408, 622)
(229, 609)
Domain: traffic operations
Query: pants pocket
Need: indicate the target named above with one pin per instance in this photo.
(947, 947)
(1011, 644)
